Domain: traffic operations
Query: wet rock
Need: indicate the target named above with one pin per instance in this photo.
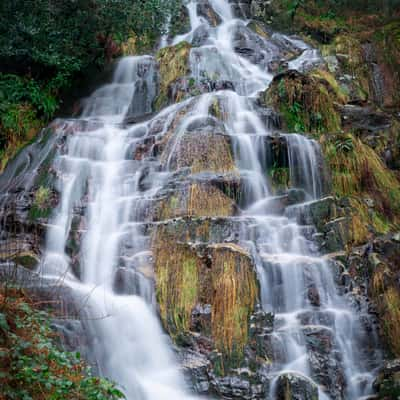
(336, 235)
(261, 322)
(295, 196)
(201, 318)
(313, 296)
(387, 383)
(251, 46)
(132, 282)
(295, 387)
(205, 10)
(324, 359)
(194, 200)
(200, 151)
(364, 119)
(173, 65)
(195, 369)
(316, 213)
(200, 36)
(238, 387)
(241, 8)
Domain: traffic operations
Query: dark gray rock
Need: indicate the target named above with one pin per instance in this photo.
(295, 387)
(387, 383)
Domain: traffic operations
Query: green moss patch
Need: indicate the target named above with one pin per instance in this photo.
(173, 64)
(221, 275)
(306, 103)
(196, 200)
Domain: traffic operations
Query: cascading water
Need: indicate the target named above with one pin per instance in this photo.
(128, 344)
(110, 193)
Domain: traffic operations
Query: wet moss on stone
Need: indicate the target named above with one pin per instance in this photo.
(358, 173)
(235, 293)
(196, 200)
(173, 64)
(221, 275)
(306, 103)
(41, 207)
(203, 152)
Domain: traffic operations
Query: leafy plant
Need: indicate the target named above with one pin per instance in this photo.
(32, 367)
(344, 144)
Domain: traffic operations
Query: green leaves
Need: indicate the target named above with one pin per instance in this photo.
(37, 369)
(344, 144)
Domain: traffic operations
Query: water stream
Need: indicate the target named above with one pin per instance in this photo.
(101, 186)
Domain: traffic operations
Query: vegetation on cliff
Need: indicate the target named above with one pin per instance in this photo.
(32, 365)
(47, 47)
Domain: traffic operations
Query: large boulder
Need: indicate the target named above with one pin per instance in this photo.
(190, 277)
(291, 386)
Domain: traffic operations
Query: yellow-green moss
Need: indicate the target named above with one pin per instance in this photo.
(18, 129)
(222, 275)
(358, 172)
(173, 64)
(203, 152)
(391, 319)
(235, 293)
(307, 103)
(365, 221)
(177, 282)
(196, 200)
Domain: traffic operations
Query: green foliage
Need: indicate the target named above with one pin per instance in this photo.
(344, 144)
(34, 368)
(45, 45)
(41, 207)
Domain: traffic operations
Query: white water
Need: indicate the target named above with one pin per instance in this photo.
(97, 167)
(128, 342)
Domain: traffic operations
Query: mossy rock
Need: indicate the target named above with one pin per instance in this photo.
(173, 64)
(201, 152)
(26, 259)
(307, 103)
(358, 172)
(387, 45)
(220, 275)
(235, 292)
(196, 200)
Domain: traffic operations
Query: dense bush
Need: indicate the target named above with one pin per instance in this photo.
(33, 367)
(46, 44)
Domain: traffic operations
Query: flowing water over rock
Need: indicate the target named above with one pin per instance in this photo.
(114, 178)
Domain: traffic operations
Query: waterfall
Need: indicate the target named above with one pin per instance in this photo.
(109, 193)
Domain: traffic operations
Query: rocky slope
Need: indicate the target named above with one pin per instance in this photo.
(205, 244)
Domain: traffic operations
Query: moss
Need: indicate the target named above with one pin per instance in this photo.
(41, 207)
(350, 51)
(221, 275)
(365, 221)
(358, 172)
(259, 29)
(280, 178)
(203, 152)
(235, 293)
(18, 127)
(307, 103)
(196, 200)
(173, 64)
(391, 319)
(177, 280)
(387, 44)
(27, 259)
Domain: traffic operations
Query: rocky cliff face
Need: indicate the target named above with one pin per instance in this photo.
(260, 247)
